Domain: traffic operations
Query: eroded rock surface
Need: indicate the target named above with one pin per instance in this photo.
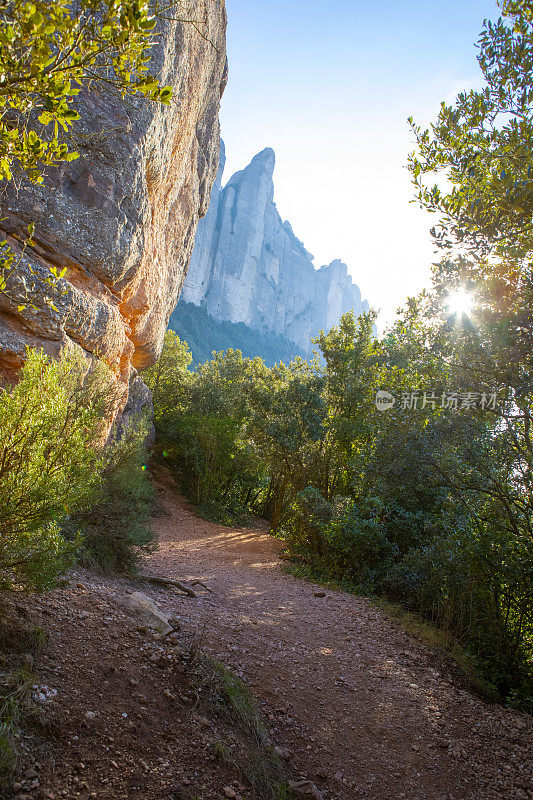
(122, 218)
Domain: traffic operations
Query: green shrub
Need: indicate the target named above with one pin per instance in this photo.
(479, 590)
(304, 525)
(52, 425)
(357, 544)
(115, 527)
(346, 539)
(217, 467)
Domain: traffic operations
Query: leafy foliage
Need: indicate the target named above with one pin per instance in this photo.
(201, 422)
(115, 527)
(51, 435)
(482, 144)
(63, 491)
(49, 51)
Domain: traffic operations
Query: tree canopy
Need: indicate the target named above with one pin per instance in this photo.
(49, 51)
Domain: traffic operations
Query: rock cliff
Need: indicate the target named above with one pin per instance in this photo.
(248, 266)
(122, 218)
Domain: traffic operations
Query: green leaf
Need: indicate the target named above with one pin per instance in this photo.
(36, 20)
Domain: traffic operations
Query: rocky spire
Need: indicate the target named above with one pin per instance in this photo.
(248, 266)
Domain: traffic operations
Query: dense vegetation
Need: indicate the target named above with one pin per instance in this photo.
(429, 502)
(62, 490)
(206, 335)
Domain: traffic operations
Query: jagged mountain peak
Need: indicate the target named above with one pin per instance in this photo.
(265, 159)
(339, 267)
(248, 265)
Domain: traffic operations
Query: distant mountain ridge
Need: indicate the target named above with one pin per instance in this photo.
(248, 266)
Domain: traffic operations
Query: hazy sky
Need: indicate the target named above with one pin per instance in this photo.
(329, 85)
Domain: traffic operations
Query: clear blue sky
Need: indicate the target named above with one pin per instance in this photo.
(329, 85)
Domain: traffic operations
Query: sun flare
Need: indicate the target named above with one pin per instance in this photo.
(460, 303)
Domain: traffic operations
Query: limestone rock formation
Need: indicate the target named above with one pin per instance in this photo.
(248, 266)
(122, 218)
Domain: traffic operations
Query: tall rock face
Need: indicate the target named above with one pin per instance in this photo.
(122, 218)
(248, 266)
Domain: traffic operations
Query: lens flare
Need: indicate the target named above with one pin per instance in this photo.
(460, 303)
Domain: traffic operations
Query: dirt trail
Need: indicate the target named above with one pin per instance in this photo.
(364, 709)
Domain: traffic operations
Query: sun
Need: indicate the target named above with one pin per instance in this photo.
(460, 303)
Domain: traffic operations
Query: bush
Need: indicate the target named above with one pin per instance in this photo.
(52, 425)
(346, 539)
(357, 547)
(217, 467)
(115, 528)
(305, 522)
(479, 590)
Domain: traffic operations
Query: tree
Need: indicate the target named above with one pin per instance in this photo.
(287, 426)
(49, 51)
(202, 423)
(169, 378)
(350, 372)
(483, 145)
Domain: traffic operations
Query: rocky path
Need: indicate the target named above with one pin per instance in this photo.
(355, 704)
